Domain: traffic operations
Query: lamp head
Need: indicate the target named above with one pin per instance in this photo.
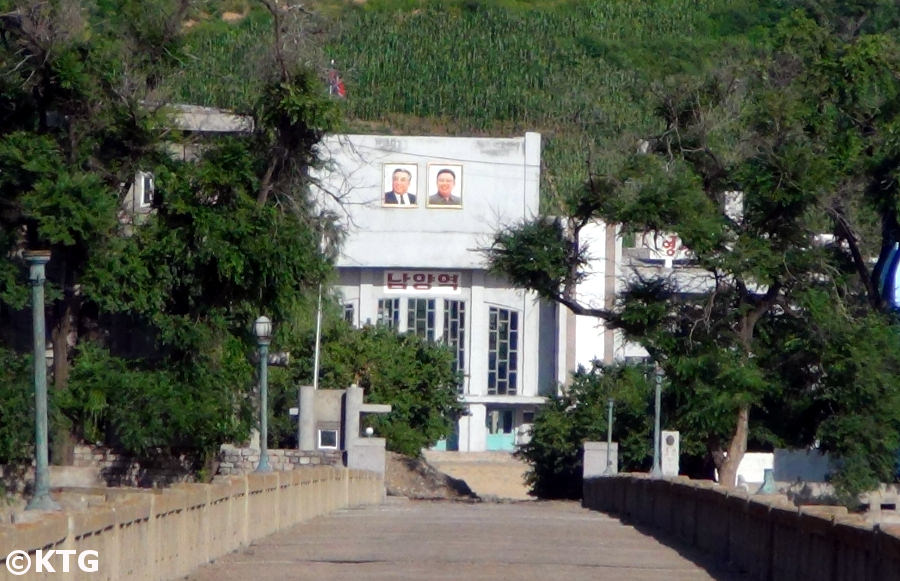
(36, 256)
(262, 327)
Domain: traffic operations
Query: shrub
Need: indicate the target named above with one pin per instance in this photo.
(555, 451)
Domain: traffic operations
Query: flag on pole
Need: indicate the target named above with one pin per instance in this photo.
(335, 83)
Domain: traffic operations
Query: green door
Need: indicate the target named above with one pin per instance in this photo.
(450, 443)
(501, 434)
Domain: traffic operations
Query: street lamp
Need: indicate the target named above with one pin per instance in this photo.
(656, 472)
(262, 327)
(301, 441)
(41, 500)
(318, 346)
(609, 425)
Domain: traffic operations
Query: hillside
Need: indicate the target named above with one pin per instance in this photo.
(581, 73)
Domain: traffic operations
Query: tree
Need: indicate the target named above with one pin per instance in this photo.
(17, 411)
(159, 307)
(411, 374)
(564, 423)
(804, 133)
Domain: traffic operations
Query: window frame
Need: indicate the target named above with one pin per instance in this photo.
(394, 313)
(503, 351)
(337, 439)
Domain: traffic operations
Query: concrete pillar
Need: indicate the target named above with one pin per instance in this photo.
(307, 418)
(476, 436)
(671, 452)
(529, 344)
(353, 400)
(478, 337)
(597, 462)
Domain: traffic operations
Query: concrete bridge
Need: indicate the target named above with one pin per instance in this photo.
(335, 523)
(418, 540)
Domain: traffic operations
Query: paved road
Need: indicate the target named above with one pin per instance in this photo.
(444, 540)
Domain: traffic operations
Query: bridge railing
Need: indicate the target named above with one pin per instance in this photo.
(765, 536)
(166, 533)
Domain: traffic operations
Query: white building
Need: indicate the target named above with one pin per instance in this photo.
(612, 263)
(418, 267)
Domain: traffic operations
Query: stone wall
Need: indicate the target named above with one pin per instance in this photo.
(238, 460)
(165, 534)
(118, 469)
(764, 536)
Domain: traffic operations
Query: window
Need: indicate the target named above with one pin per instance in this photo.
(349, 313)
(328, 439)
(145, 188)
(455, 332)
(499, 421)
(420, 318)
(503, 351)
(388, 313)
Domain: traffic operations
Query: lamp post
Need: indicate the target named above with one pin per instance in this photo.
(609, 426)
(262, 327)
(41, 500)
(656, 472)
(318, 346)
(317, 350)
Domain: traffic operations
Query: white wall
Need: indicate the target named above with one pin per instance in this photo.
(499, 186)
(498, 181)
(363, 287)
(592, 341)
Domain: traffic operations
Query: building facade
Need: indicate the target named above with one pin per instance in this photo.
(418, 212)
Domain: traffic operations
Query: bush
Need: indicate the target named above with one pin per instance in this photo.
(555, 451)
(411, 374)
(192, 406)
(17, 410)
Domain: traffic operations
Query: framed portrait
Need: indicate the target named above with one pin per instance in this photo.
(399, 181)
(445, 181)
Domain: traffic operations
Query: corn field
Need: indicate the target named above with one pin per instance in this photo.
(576, 71)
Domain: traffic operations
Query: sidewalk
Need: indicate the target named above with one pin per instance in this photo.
(409, 540)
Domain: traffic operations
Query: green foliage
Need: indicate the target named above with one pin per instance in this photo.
(157, 304)
(71, 209)
(561, 427)
(194, 405)
(841, 371)
(576, 71)
(414, 376)
(222, 62)
(284, 394)
(805, 130)
(573, 71)
(17, 409)
(297, 107)
(534, 255)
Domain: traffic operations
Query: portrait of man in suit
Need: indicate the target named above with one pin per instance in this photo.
(402, 182)
(446, 181)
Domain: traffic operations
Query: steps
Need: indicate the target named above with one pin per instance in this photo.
(491, 475)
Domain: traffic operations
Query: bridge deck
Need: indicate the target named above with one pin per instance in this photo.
(442, 540)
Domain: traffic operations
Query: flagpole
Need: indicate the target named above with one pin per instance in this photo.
(318, 347)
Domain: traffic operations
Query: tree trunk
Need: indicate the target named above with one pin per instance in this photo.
(62, 442)
(736, 448)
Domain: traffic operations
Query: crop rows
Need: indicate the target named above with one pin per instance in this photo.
(575, 71)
